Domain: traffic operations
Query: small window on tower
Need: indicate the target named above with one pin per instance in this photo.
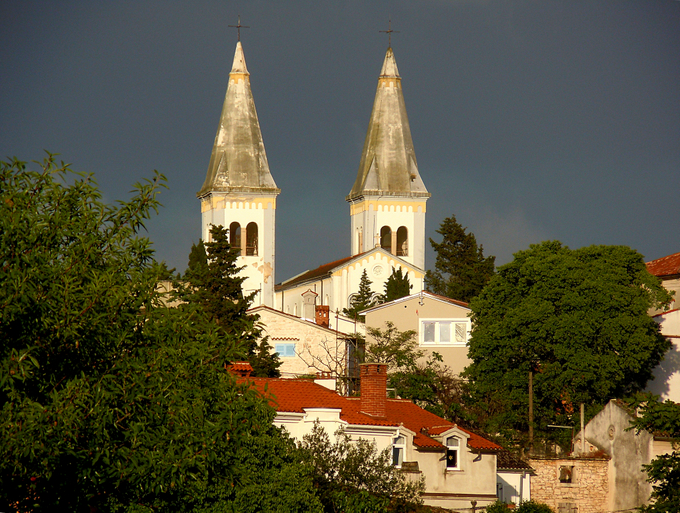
(386, 238)
(251, 239)
(235, 237)
(402, 241)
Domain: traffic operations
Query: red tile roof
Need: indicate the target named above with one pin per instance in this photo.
(665, 266)
(293, 395)
(423, 423)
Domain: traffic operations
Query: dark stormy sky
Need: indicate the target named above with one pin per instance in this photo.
(531, 120)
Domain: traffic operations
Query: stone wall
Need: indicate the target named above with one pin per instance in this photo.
(571, 485)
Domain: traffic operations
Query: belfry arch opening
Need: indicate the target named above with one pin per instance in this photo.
(402, 241)
(251, 239)
(386, 238)
(235, 237)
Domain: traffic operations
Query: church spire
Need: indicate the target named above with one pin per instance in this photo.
(388, 162)
(238, 161)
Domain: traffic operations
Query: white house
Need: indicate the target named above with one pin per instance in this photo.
(458, 466)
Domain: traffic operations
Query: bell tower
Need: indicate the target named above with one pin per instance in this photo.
(387, 201)
(239, 191)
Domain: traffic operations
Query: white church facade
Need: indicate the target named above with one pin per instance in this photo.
(387, 202)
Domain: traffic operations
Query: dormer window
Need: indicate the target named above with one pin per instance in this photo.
(452, 453)
(398, 447)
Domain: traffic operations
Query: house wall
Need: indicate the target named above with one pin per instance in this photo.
(406, 315)
(316, 349)
(513, 486)
(628, 451)
(666, 382)
(587, 493)
(299, 425)
(476, 480)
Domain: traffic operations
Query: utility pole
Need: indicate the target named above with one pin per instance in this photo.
(531, 410)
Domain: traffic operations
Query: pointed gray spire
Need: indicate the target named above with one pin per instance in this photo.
(388, 162)
(239, 161)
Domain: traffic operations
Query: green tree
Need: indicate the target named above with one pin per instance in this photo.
(109, 400)
(461, 271)
(396, 286)
(664, 471)
(198, 262)
(212, 281)
(363, 300)
(576, 319)
(351, 476)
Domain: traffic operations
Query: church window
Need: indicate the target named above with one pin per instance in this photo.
(452, 453)
(235, 237)
(402, 241)
(386, 238)
(251, 239)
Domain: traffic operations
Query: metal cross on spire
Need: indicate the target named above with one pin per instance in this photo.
(389, 34)
(238, 27)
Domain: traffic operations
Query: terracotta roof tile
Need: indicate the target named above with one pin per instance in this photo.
(294, 395)
(418, 420)
(665, 266)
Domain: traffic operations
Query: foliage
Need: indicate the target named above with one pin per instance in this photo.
(352, 476)
(396, 286)
(664, 470)
(525, 507)
(363, 300)
(461, 271)
(577, 319)
(198, 262)
(110, 401)
(212, 282)
(397, 349)
(425, 381)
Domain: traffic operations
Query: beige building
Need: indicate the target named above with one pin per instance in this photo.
(441, 324)
(308, 346)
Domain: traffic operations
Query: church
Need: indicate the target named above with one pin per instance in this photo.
(387, 203)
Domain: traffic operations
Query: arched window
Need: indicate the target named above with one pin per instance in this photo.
(386, 238)
(402, 241)
(235, 237)
(251, 239)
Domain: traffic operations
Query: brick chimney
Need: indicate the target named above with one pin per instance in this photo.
(322, 314)
(374, 389)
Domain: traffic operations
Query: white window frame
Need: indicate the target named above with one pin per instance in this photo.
(453, 448)
(464, 324)
(398, 450)
(287, 345)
